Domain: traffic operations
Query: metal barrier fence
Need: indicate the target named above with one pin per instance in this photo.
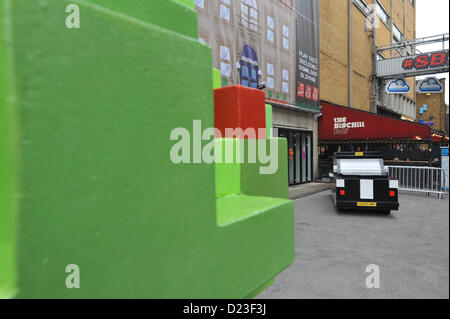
(427, 180)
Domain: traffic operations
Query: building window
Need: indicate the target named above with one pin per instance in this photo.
(270, 76)
(249, 14)
(285, 37)
(270, 29)
(285, 80)
(397, 33)
(382, 13)
(225, 61)
(200, 4)
(225, 10)
(363, 7)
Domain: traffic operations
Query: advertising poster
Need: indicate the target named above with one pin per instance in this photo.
(265, 44)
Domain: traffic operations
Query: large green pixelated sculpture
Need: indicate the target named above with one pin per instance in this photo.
(85, 172)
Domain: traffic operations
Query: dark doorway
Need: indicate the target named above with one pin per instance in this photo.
(300, 154)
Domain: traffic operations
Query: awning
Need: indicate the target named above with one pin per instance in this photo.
(339, 123)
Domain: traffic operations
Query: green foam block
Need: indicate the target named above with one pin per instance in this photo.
(236, 175)
(168, 14)
(87, 169)
(269, 120)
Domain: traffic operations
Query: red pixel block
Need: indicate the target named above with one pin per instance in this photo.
(240, 107)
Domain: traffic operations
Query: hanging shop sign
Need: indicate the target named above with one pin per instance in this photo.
(398, 86)
(430, 85)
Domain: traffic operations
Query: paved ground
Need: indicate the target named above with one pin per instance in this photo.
(333, 249)
(307, 190)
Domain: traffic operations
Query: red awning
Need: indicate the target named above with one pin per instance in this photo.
(339, 123)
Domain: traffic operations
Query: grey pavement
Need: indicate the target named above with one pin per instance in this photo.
(307, 189)
(411, 248)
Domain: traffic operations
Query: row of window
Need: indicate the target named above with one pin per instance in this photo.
(249, 19)
(270, 69)
(226, 70)
(384, 16)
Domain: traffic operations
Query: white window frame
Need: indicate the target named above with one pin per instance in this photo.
(270, 29)
(286, 41)
(250, 14)
(225, 5)
(382, 13)
(225, 61)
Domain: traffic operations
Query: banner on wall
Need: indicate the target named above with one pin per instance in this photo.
(417, 65)
(265, 44)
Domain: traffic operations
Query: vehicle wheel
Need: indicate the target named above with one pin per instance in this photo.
(386, 212)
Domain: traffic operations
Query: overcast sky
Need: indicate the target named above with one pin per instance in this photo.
(433, 19)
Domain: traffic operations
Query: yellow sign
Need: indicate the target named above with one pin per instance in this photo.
(359, 154)
(360, 204)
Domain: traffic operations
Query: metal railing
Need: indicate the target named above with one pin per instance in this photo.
(428, 180)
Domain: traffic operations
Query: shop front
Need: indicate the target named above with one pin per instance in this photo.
(300, 160)
(346, 129)
(299, 127)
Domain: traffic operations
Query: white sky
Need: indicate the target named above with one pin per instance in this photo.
(433, 19)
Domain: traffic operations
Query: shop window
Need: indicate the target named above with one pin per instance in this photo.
(249, 14)
(270, 29)
(225, 10)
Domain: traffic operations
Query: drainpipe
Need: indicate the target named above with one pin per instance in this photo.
(374, 100)
(350, 53)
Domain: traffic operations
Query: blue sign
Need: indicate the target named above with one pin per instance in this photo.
(398, 86)
(444, 151)
(249, 67)
(430, 85)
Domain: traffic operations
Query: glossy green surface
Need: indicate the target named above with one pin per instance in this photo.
(94, 111)
(7, 178)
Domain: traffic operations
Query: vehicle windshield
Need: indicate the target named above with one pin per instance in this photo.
(372, 167)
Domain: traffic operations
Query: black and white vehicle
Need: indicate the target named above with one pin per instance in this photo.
(360, 181)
